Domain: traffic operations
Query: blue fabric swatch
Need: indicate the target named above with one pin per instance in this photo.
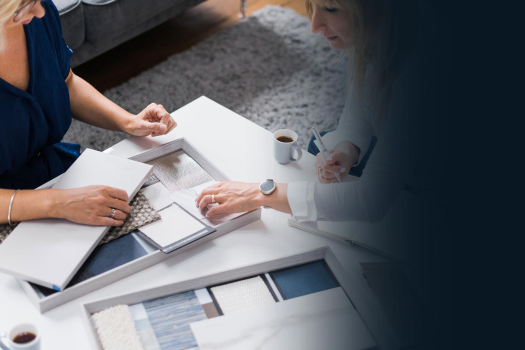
(104, 258)
(114, 254)
(304, 279)
(170, 318)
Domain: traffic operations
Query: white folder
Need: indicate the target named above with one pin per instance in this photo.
(49, 252)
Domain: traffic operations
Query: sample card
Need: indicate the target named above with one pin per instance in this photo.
(175, 225)
(324, 320)
(158, 196)
(304, 279)
(170, 318)
(178, 171)
(116, 329)
(243, 295)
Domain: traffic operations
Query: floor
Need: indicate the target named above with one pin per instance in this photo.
(177, 35)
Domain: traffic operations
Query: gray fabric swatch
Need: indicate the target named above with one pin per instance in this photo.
(178, 171)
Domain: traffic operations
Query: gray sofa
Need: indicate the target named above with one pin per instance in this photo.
(92, 27)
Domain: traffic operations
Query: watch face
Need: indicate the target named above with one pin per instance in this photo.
(267, 186)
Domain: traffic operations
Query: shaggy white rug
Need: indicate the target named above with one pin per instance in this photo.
(268, 68)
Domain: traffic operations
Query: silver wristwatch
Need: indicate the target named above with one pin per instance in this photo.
(267, 187)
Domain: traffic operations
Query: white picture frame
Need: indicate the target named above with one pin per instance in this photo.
(44, 304)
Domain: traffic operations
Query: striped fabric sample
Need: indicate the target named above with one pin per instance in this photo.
(116, 329)
(242, 295)
(304, 279)
(171, 317)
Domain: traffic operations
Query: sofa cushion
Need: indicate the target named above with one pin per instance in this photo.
(72, 18)
(108, 19)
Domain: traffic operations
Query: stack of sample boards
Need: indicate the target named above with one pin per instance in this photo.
(56, 261)
(48, 252)
(298, 307)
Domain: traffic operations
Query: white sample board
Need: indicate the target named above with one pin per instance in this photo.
(49, 252)
(159, 198)
(288, 324)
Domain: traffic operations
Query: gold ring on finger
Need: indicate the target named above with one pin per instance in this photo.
(213, 199)
(112, 215)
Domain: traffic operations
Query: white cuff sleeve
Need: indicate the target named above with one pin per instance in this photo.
(359, 138)
(301, 197)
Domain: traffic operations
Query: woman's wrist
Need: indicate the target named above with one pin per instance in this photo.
(53, 204)
(350, 149)
(126, 123)
(278, 200)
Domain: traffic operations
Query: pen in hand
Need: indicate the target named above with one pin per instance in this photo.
(323, 148)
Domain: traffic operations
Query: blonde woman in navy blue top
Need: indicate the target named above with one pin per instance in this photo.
(39, 94)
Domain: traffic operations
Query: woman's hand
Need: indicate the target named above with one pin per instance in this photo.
(343, 157)
(153, 120)
(92, 205)
(231, 197)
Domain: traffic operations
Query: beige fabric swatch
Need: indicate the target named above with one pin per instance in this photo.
(142, 213)
(178, 171)
(116, 329)
(242, 295)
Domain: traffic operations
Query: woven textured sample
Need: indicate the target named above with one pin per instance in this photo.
(142, 214)
(171, 317)
(304, 279)
(178, 171)
(242, 295)
(5, 230)
(116, 329)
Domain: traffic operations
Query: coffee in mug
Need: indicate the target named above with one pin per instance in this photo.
(22, 337)
(285, 139)
(285, 145)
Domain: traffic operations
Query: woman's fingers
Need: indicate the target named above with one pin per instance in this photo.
(213, 189)
(208, 199)
(119, 215)
(117, 193)
(333, 169)
(118, 204)
(216, 210)
(105, 221)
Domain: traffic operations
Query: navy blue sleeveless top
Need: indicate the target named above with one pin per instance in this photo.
(32, 123)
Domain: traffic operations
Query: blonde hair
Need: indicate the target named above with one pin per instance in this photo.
(385, 31)
(7, 9)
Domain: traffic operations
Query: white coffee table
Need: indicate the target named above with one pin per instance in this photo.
(243, 151)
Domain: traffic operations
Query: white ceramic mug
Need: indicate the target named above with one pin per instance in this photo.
(7, 339)
(284, 151)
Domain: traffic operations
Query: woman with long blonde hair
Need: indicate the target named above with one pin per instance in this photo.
(39, 94)
(394, 95)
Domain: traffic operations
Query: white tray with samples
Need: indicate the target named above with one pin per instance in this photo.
(301, 301)
(180, 172)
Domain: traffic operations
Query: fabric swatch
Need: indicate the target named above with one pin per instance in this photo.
(116, 329)
(5, 230)
(242, 295)
(178, 171)
(144, 327)
(304, 279)
(142, 213)
(171, 317)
